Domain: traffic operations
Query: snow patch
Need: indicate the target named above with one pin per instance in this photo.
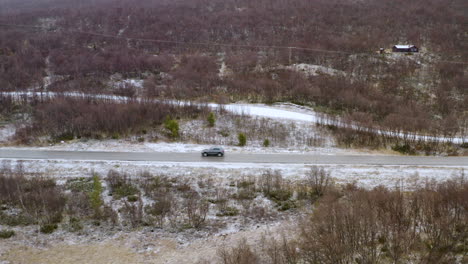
(312, 70)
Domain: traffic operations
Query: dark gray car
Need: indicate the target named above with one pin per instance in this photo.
(213, 151)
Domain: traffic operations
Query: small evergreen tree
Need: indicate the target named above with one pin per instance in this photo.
(242, 139)
(95, 196)
(266, 143)
(173, 127)
(211, 119)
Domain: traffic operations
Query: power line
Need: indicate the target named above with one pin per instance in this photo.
(188, 43)
(208, 43)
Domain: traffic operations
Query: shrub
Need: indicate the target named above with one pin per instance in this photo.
(133, 213)
(228, 211)
(242, 139)
(172, 126)
(245, 184)
(121, 185)
(67, 136)
(286, 205)
(266, 143)
(196, 209)
(318, 181)
(164, 202)
(464, 145)
(80, 185)
(95, 195)
(246, 194)
(6, 233)
(404, 149)
(74, 225)
(125, 190)
(242, 253)
(224, 133)
(211, 119)
(48, 228)
(279, 195)
(152, 184)
(132, 198)
(16, 220)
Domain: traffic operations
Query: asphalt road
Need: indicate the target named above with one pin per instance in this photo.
(233, 158)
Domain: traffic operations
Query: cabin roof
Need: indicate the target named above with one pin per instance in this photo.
(404, 46)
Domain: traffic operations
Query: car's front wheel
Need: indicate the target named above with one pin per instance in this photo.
(204, 154)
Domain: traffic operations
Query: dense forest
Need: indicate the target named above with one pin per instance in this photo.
(179, 47)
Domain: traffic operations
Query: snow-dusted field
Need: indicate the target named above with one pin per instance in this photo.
(6, 132)
(363, 175)
(129, 146)
(279, 111)
(149, 245)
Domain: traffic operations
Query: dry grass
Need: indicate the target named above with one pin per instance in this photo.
(109, 252)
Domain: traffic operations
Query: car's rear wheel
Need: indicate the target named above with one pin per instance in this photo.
(204, 154)
(220, 154)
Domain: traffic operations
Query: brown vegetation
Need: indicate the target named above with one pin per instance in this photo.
(382, 225)
(68, 118)
(426, 94)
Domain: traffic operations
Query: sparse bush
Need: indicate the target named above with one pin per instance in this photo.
(161, 207)
(317, 181)
(224, 133)
(80, 185)
(132, 198)
(242, 139)
(121, 185)
(279, 195)
(196, 209)
(246, 183)
(286, 205)
(38, 197)
(16, 220)
(109, 214)
(6, 233)
(246, 190)
(133, 212)
(152, 185)
(404, 149)
(246, 194)
(115, 136)
(66, 136)
(242, 253)
(74, 224)
(48, 228)
(228, 211)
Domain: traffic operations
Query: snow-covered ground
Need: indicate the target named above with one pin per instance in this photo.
(127, 146)
(312, 70)
(363, 175)
(6, 132)
(285, 111)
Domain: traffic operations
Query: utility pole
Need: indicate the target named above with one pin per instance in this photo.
(290, 55)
